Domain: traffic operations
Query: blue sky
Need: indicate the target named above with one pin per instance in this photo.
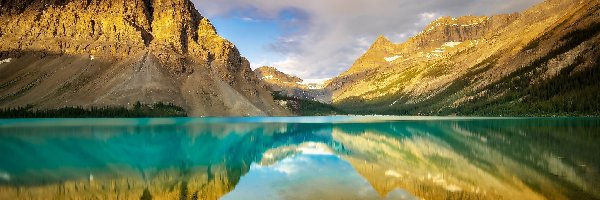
(252, 37)
(317, 39)
(295, 176)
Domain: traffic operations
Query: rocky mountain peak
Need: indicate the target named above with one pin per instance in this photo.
(442, 32)
(140, 50)
(112, 28)
(382, 41)
(271, 74)
(168, 29)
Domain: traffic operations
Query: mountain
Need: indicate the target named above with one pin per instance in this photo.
(542, 61)
(100, 53)
(298, 96)
(278, 80)
(290, 85)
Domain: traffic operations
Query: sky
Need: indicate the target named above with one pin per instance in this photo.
(319, 39)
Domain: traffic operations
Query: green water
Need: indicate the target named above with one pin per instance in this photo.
(301, 158)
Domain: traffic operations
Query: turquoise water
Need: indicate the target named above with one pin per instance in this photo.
(371, 157)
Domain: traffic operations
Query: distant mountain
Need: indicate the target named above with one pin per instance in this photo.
(274, 77)
(115, 53)
(298, 96)
(289, 85)
(542, 61)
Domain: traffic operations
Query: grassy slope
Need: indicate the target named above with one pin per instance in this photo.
(570, 93)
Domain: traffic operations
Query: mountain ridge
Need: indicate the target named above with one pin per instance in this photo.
(114, 53)
(477, 73)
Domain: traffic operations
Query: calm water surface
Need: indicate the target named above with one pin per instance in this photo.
(300, 158)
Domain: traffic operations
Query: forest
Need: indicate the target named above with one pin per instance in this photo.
(136, 111)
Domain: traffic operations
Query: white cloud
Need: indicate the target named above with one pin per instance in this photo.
(428, 16)
(249, 19)
(325, 37)
(288, 65)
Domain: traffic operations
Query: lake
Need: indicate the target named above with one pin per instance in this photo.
(344, 157)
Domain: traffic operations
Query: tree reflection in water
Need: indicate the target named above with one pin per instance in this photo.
(331, 158)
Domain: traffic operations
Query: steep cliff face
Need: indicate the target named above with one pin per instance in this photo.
(449, 29)
(112, 28)
(111, 52)
(543, 60)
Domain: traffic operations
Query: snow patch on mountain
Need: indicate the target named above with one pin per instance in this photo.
(8, 60)
(315, 81)
(314, 84)
(392, 58)
(451, 44)
(267, 77)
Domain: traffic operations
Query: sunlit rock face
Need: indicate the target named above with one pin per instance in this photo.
(384, 52)
(118, 28)
(465, 28)
(456, 64)
(118, 52)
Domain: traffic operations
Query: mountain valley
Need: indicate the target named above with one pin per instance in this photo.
(542, 61)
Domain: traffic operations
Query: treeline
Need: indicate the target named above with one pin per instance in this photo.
(306, 107)
(570, 93)
(138, 110)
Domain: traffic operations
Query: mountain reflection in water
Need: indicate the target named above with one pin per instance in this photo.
(301, 158)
